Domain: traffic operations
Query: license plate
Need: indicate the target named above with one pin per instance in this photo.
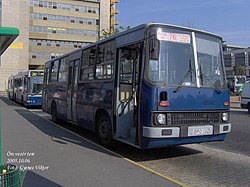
(200, 130)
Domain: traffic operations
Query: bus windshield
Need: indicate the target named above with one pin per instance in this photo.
(176, 64)
(210, 61)
(35, 85)
(175, 61)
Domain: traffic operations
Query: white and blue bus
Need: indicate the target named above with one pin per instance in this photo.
(26, 87)
(11, 87)
(151, 86)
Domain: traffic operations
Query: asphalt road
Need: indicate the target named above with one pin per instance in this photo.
(224, 164)
(238, 141)
(212, 164)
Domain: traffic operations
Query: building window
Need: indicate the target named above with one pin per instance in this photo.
(40, 4)
(240, 59)
(228, 60)
(229, 73)
(54, 6)
(249, 58)
(33, 67)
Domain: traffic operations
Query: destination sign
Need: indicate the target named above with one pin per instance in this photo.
(174, 37)
(36, 73)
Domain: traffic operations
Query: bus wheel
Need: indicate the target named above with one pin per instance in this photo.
(54, 113)
(104, 131)
(248, 108)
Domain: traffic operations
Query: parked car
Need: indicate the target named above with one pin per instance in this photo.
(245, 96)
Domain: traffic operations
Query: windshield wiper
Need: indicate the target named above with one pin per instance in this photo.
(203, 77)
(189, 72)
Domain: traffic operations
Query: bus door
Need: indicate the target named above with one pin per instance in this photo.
(72, 90)
(45, 90)
(127, 91)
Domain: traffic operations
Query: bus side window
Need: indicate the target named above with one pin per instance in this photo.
(54, 71)
(88, 62)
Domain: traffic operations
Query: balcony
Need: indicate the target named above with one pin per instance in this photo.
(114, 22)
(113, 12)
(114, 1)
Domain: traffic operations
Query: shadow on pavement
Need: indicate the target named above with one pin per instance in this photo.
(61, 136)
(138, 155)
(8, 101)
(33, 179)
(57, 134)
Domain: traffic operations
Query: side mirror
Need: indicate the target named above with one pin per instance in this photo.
(154, 49)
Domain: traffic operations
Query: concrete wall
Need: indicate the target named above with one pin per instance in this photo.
(104, 15)
(15, 59)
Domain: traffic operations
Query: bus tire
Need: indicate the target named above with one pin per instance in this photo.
(104, 131)
(54, 112)
(248, 108)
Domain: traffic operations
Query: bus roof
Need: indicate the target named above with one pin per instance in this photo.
(142, 26)
(26, 72)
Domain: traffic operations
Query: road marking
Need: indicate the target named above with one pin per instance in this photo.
(124, 158)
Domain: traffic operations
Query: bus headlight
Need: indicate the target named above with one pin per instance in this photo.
(161, 119)
(225, 116)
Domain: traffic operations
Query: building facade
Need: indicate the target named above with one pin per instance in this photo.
(236, 56)
(49, 28)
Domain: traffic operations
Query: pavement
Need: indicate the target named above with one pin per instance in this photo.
(56, 157)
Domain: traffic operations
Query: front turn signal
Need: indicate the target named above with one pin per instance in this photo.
(164, 103)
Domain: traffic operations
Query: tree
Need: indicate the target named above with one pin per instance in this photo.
(107, 33)
(239, 70)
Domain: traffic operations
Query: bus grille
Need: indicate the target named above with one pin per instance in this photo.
(182, 118)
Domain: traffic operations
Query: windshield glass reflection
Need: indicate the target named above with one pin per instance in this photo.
(35, 85)
(210, 61)
(175, 61)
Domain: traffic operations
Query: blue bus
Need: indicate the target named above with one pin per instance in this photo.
(151, 86)
(26, 87)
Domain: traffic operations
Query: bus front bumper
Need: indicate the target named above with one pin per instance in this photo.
(186, 131)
